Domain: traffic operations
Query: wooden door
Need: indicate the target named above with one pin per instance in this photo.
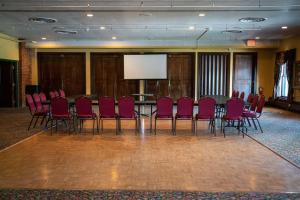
(180, 80)
(8, 84)
(62, 70)
(107, 70)
(244, 72)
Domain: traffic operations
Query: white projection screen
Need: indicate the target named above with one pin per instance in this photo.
(145, 66)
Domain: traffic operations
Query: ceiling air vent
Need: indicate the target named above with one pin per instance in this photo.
(232, 31)
(252, 19)
(66, 32)
(42, 20)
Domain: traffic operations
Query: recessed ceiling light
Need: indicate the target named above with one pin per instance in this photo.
(90, 15)
(192, 27)
(42, 20)
(252, 19)
(66, 32)
(257, 38)
(102, 27)
(201, 14)
(44, 38)
(284, 27)
(114, 38)
(145, 14)
(34, 42)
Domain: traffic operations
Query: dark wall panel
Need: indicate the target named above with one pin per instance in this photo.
(107, 71)
(62, 70)
(180, 77)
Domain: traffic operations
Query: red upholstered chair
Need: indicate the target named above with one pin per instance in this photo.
(234, 112)
(254, 103)
(127, 112)
(164, 111)
(185, 106)
(62, 93)
(39, 106)
(56, 93)
(60, 112)
(233, 94)
(44, 101)
(107, 111)
(237, 93)
(250, 98)
(84, 112)
(206, 112)
(242, 95)
(52, 94)
(35, 112)
(255, 115)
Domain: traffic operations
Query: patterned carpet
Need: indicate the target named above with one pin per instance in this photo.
(99, 194)
(281, 133)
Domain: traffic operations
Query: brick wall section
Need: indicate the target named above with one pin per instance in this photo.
(25, 75)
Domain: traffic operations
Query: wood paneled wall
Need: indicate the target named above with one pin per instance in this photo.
(62, 70)
(107, 76)
(180, 80)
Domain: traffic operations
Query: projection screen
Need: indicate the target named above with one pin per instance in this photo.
(145, 66)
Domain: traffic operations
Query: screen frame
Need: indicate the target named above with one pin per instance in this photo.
(136, 54)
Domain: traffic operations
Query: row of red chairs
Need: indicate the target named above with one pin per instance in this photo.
(55, 93)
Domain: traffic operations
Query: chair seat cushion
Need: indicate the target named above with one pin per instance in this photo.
(250, 114)
(163, 116)
(93, 115)
(177, 116)
(197, 116)
(225, 117)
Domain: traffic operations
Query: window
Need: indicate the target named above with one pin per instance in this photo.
(283, 85)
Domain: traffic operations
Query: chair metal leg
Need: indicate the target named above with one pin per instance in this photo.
(259, 125)
(36, 121)
(56, 125)
(248, 121)
(155, 126)
(30, 123)
(254, 124)
(51, 125)
(174, 133)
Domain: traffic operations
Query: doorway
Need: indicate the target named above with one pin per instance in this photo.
(8, 83)
(244, 72)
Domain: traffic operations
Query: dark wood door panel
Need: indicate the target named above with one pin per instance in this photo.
(108, 76)
(62, 70)
(180, 77)
(244, 73)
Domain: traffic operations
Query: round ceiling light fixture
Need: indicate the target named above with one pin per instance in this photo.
(42, 20)
(252, 19)
(232, 31)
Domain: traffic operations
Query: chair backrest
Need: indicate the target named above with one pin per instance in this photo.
(30, 103)
(107, 106)
(43, 97)
(206, 107)
(56, 93)
(37, 101)
(254, 103)
(83, 106)
(242, 95)
(250, 98)
(126, 107)
(185, 106)
(62, 93)
(260, 104)
(52, 94)
(59, 106)
(233, 94)
(164, 106)
(237, 93)
(234, 108)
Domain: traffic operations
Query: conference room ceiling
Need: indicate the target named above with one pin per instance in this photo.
(165, 22)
